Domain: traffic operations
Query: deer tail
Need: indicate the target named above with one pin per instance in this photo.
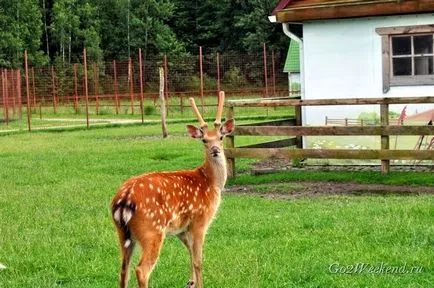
(122, 212)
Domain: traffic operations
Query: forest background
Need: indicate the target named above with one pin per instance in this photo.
(56, 31)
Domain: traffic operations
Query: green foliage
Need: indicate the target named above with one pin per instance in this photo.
(149, 110)
(394, 115)
(371, 117)
(234, 78)
(114, 29)
(20, 29)
(193, 83)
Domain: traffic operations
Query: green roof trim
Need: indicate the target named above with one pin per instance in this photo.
(292, 63)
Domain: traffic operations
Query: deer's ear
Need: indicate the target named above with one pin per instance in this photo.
(228, 127)
(194, 132)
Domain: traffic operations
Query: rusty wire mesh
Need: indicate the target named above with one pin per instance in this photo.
(57, 94)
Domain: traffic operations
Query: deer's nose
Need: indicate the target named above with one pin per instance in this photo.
(215, 151)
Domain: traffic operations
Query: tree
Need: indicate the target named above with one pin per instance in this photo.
(256, 27)
(65, 25)
(20, 29)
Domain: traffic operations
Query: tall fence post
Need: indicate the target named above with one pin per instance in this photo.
(265, 71)
(162, 100)
(75, 89)
(115, 84)
(166, 84)
(384, 118)
(27, 91)
(130, 78)
(201, 78)
(53, 83)
(86, 89)
(141, 85)
(230, 143)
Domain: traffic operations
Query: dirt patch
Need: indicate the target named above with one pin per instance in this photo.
(314, 189)
(274, 165)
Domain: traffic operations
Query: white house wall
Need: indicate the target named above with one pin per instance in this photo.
(343, 59)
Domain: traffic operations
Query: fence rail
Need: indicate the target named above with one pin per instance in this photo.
(280, 150)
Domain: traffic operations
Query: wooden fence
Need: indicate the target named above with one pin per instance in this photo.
(292, 127)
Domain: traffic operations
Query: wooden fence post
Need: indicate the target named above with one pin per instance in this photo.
(298, 122)
(162, 106)
(230, 143)
(384, 118)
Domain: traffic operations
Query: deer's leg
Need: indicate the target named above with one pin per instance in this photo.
(126, 252)
(151, 245)
(198, 235)
(187, 240)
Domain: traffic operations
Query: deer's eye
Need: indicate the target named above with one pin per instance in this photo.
(203, 140)
(221, 138)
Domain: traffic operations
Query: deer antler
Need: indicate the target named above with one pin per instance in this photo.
(218, 118)
(202, 123)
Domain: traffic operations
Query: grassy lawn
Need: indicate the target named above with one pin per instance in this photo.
(56, 231)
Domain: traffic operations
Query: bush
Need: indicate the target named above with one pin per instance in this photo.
(234, 78)
(370, 117)
(149, 110)
(193, 83)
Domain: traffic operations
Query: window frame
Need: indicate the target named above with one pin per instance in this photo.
(387, 33)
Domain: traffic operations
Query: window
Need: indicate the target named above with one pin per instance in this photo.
(408, 55)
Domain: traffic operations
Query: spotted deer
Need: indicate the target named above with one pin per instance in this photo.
(183, 203)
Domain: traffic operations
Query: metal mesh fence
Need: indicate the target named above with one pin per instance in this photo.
(118, 92)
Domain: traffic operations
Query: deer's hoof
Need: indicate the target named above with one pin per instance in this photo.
(190, 284)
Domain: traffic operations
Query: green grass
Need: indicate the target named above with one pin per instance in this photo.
(55, 227)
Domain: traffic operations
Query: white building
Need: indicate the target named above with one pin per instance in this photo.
(361, 49)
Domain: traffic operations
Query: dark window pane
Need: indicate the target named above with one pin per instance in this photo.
(401, 46)
(402, 66)
(422, 44)
(423, 65)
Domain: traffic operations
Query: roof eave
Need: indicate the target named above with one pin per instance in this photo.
(324, 12)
